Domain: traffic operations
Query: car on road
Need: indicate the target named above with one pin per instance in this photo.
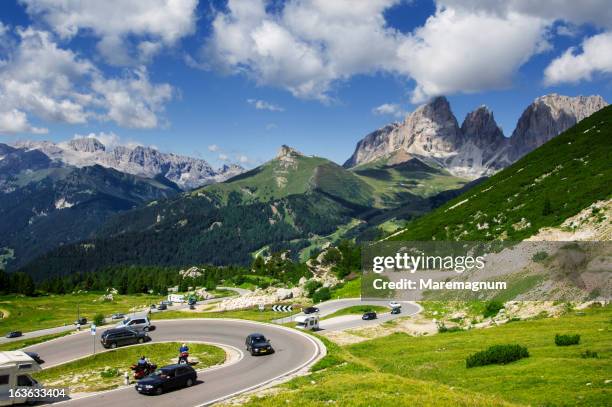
(396, 310)
(81, 321)
(369, 315)
(162, 307)
(167, 378)
(192, 301)
(137, 323)
(14, 334)
(36, 357)
(310, 310)
(118, 316)
(167, 303)
(257, 344)
(153, 306)
(115, 337)
(395, 304)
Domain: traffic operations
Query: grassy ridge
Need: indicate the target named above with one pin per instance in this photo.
(548, 185)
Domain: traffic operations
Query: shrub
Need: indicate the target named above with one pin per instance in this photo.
(311, 286)
(589, 354)
(98, 319)
(322, 294)
(109, 373)
(492, 308)
(567, 340)
(443, 328)
(497, 354)
(540, 256)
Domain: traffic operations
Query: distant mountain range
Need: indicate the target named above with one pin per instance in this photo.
(45, 203)
(294, 201)
(477, 148)
(186, 172)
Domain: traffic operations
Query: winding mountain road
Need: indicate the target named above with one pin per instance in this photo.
(293, 351)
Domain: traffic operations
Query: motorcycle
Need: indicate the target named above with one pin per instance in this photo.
(141, 371)
(183, 356)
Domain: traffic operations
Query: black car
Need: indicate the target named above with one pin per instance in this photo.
(310, 310)
(162, 307)
(369, 315)
(14, 334)
(257, 344)
(81, 321)
(396, 310)
(36, 357)
(167, 378)
(192, 301)
(118, 316)
(122, 336)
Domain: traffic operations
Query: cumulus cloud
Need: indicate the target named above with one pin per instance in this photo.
(213, 148)
(304, 47)
(389, 109)
(594, 56)
(243, 159)
(55, 84)
(223, 157)
(263, 105)
(152, 24)
(459, 51)
(15, 121)
(308, 46)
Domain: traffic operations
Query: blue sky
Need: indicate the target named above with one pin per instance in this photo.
(231, 82)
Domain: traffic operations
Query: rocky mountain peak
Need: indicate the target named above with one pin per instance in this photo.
(481, 128)
(86, 145)
(286, 152)
(548, 116)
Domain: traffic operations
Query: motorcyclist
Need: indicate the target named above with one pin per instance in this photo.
(183, 353)
(142, 362)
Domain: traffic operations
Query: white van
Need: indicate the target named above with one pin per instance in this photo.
(180, 298)
(309, 322)
(15, 370)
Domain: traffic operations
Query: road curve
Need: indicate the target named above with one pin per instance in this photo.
(294, 351)
(355, 321)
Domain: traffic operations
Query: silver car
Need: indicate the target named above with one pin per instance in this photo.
(136, 323)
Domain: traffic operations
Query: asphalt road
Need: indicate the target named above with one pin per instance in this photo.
(293, 352)
(354, 321)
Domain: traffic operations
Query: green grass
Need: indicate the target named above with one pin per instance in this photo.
(357, 309)
(250, 314)
(402, 370)
(16, 345)
(350, 289)
(570, 172)
(104, 371)
(34, 313)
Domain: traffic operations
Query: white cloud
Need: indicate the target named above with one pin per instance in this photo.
(304, 47)
(213, 148)
(15, 121)
(55, 84)
(458, 51)
(308, 46)
(132, 101)
(263, 105)
(152, 24)
(243, 159)
(223, 157)
(110, 140)
(573, 66)
(389, 109)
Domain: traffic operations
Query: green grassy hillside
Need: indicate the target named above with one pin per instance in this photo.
(548, 185)
(394, 183)
(430, 370)
(294, 174)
